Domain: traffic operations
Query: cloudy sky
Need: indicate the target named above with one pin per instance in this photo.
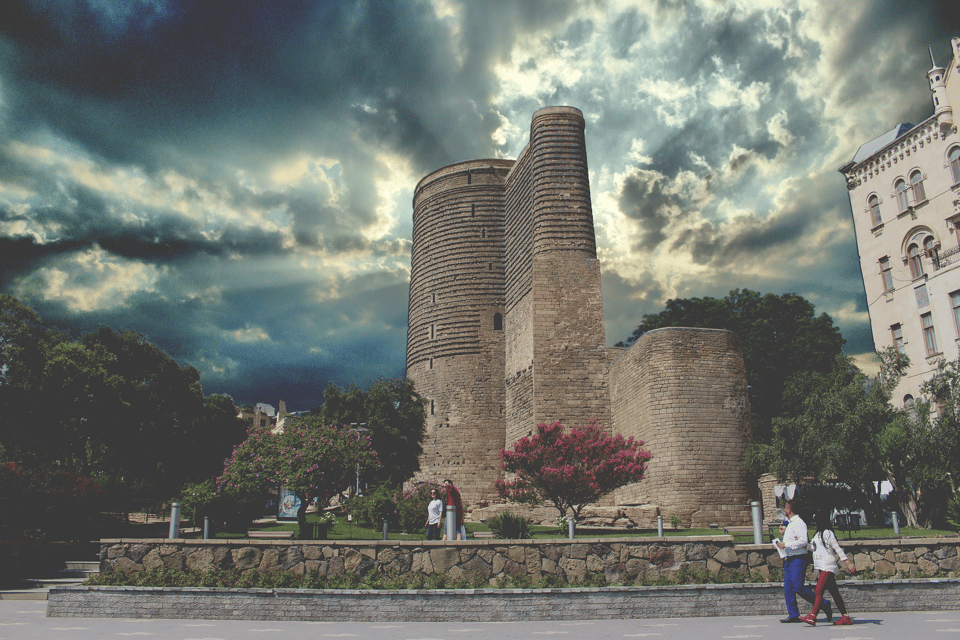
(234, 179)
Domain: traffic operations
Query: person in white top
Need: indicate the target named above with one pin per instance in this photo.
(434, 513)
(825, 548)
(794, 544)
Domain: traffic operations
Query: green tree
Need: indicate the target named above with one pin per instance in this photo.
(780, 336)
(921, 450)
(394, 416)
(310, 458)
(830, 432)
(109, 405)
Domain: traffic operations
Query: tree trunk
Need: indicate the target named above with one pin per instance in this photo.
(906, 499)
(305, 534)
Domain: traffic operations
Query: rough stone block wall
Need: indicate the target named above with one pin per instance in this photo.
(455, 345)
(621, 560)
(684, 393)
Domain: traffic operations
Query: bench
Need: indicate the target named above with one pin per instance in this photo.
(272, 535)
(847, 521)
(484, 534)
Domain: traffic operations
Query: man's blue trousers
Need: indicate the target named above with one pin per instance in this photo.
(794, 574)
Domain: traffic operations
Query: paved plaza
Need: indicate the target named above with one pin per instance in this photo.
(26, 620)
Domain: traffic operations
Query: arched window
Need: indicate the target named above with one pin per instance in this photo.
(873, 202)
(930, 250)
(916, 183)
(915, 258)
(954, 159)
(910, 405)
(901, 187)
(498, 322)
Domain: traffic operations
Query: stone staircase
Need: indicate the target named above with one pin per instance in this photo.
(75, 572)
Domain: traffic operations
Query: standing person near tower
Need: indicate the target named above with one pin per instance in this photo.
(825, 548)
(794, 543)
(434, 514)
(453, 494)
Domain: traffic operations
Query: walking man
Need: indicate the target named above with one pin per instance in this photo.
(794, 544)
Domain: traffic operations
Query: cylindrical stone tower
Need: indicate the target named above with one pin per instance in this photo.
(555, 346)
(455, 343)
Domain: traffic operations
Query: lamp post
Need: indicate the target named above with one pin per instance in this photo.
(358, 427)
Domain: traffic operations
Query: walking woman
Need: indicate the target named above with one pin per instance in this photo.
(824, 545)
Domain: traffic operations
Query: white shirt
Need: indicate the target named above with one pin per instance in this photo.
(824, 545)
(434, 509)
(795, 537)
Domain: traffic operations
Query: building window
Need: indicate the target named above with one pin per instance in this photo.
(910, 405)
(955, 301)
(923, 300)
(897, 332)
(874, 203)
(916, 261)
(916, 183)
(902, 200)
(929, 334)
(498, 322)
(930, 250)
(954, 159)
(886, 274)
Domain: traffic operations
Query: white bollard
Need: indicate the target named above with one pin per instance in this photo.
(174, 521)
(896, 522)
(757, 522)
(660, 526)
(451, 522)
(571, 527)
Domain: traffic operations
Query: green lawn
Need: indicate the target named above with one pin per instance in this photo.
(344, 530)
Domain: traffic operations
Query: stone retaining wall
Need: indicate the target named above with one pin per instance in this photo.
(621, 560)
(467, 605)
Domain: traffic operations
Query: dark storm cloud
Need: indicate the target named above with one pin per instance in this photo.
(643, 199)
(250, 76)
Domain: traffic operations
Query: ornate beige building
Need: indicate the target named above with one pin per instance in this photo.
(506, 331)
(905, 196)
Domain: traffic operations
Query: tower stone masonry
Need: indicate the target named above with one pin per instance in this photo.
(506, 332)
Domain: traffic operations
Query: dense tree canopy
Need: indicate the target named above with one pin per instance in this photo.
(310, 458)
(394, 416)
(781, 336)
(570, 469)
(840, 427)
(109, 405)
(830, 431)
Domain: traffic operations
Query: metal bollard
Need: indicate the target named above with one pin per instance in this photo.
(174, 521)
(206, 527)
(896, 522)
(451, 523)
(571, 527)
(659, 526)
(386, 529)
(757, 522)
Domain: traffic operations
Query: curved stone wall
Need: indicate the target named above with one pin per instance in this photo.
(456, 315)
(683, 392)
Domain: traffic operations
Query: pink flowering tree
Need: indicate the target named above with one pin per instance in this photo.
(312, 459)
(570, 469)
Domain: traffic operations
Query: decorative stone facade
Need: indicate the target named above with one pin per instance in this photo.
(621, 560)
(506, 331)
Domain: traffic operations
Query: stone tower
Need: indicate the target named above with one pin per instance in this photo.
(506, 331)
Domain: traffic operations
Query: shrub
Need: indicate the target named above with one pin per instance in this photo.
(510, 526)
(412, 505)
(676, 522)
(376, 505)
